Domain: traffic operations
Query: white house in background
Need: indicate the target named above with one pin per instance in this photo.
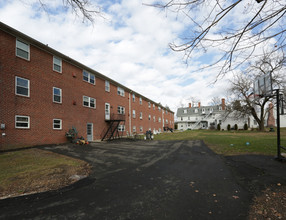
(205, 117)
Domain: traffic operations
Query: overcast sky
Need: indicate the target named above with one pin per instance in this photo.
(129, 45)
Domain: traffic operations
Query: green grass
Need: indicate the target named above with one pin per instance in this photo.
(27, 166)
(232, 142)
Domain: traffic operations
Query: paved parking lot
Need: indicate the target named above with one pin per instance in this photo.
(143, 180)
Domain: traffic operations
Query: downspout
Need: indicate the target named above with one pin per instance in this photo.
(129, 113)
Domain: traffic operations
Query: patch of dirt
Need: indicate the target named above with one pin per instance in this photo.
(56, 178)
(271, 204)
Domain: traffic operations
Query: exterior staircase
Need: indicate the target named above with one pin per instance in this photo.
(199, 121)
(111, 131)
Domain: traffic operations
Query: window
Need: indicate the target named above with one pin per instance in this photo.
(203, 111)
(22, 121)
(134, 128)
(22, 49)
(141, 129)
(88, 77)
(220, 108)
(185, 111)
(159, 108)
(154, 118)
(121, 128)
(133, 97)
(57, 95)
(159, 119)
(57, 64)
(141, 115)
(160, 130)
(154, 106)
(140, 101)
(149, 117)
(107, 86)
(134, 114)
(57, 124)
(22, 86)
(88, 102)
(121, 110)
(149, 104)
(166, 121)
(196, 110)
(120, 91)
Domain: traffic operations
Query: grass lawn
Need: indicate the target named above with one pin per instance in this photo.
(232, 142)
(34, 170)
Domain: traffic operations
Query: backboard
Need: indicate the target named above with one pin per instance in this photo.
(263, 86)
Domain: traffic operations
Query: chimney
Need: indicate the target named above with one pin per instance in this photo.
(199, 104)
(190, 105)
(223, 104)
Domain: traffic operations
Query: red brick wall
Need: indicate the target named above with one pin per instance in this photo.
(41, 108)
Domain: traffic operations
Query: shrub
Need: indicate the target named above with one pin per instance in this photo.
(245, 127)
(228, 127)
(235, 127)
(218, 127)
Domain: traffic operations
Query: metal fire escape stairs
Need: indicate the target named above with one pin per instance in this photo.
(111, 132)
(198, 122)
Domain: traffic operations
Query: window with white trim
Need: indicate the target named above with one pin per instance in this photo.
(57, 64)
(154, 106)
(154, 118)
(89, 102)
(57, 95)
(141, 129)
(159, 108)
(88, 77)
(121, 110)
(22, 49)
(120, 91)
(149, 117)
(133, 97)
(133, 113)
(149, 104)
(22, 86)
(107, 86)
(57, 124)
(141, 115)
(22, 121)
(140, 101)
(166, 121)
(134, 129)
(159, 119)
(121, 128)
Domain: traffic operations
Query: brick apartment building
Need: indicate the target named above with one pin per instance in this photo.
(43, 93)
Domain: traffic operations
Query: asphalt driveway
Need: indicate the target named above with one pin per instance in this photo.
(151, 180)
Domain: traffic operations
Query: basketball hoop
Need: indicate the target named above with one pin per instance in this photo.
(262, 86)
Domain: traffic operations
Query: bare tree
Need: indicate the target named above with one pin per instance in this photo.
(81, 8)
(237, 28)
(245, 102)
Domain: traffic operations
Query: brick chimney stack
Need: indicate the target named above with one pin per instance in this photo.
(223, 104)
(190, 105)
(199, 104)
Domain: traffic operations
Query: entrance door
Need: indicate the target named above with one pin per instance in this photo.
(89, 131)
(107, 111)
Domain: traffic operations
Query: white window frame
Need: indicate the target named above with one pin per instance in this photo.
(121, 110)
(88, 76)
(149, 117)
(133, 113)
(154, 106)
(88, 100)
(185, 111)
(134, 128)
(154, 118)
(121, 128)
(57, 95)
(22, 86)
(133, 97)
(159, 108)
(57, 59)
(159, 119)
(140, 101)
(141, 129)
(107, 86)
(141, 115)
(19, 46)
(17, 121)
(120, 91)
(149, 104)
(60, 120)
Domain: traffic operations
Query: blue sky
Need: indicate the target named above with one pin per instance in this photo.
(129, 45)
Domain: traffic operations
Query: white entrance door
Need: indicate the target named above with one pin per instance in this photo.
(89, 131)
(107, 111)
